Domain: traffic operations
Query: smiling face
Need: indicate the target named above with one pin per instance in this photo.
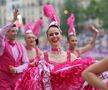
(30, 39)
(11, 34)
(72, 40)
(54, 36)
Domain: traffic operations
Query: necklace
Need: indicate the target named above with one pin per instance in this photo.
(56, 50)
(57, 55)
(71, 49)
(29, 48)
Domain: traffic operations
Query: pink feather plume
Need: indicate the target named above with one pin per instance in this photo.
(58, 20)
(70, 22)
(28, 26)
(37, 26)
(49, 12)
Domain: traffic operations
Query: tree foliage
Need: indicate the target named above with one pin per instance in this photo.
(72, 7)
(95, 9)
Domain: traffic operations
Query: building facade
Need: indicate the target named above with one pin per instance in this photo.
(2, 12)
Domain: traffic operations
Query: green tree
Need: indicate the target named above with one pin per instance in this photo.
(71, 6)
(92, 11)
(95, 9)
(103, 15)
(98, 9)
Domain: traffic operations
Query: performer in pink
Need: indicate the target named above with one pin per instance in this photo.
(72, 39)
(31, 78)
(13, 56)
(31, 35)
(55, 59)
(62, 70)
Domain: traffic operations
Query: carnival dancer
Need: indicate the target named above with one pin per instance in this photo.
(62, 70)
(72, 38)
(30, 79)
(31, 35)
(13, 56)
(55, 58)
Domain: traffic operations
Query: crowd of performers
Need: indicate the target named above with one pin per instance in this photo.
(29, 68)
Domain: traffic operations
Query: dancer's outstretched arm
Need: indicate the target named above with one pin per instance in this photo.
(92, 43)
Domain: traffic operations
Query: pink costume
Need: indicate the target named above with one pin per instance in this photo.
(72, 32)
(11, 54)
(31, 78)
(78, 53)
(37, 58)
(65, 76)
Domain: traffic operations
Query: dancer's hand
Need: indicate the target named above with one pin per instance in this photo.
(15, 14)
(12, 69)
(94, 29)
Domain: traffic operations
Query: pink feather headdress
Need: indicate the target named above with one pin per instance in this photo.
(37, 26)
(35, 29)
(28, 27)
(70, 22)
(49, 12)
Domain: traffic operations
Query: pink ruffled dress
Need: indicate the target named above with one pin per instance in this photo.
(57, 76)
(78, 53)
(30, 80)
(67, 75)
